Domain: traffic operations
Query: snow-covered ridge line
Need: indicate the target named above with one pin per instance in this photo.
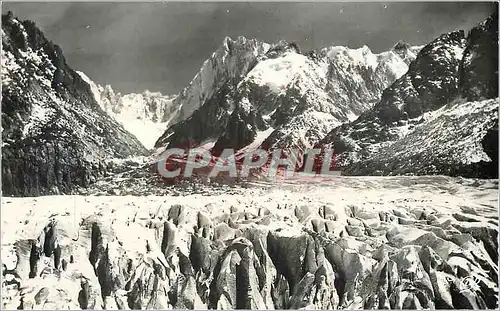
(140, 113)
(301, 96)
(221, 67)
(93, 86)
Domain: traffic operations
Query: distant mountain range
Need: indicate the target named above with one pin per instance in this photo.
(144, 115)
(273, 95)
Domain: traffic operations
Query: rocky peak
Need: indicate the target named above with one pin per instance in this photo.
(281, 48)
(479, 66)
(401, 45)
(288, 99)
(107, 91)
(227, 65)
(55, 136)
(407, 52)
(399, 131)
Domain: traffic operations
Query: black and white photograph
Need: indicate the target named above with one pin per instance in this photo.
(249, 155)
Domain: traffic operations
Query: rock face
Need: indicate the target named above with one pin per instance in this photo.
(355, 243)
(458, 140)
(140, 114)
(219, 74)
(435, 119)
(55, 136)
(477, 71)
(279, 97)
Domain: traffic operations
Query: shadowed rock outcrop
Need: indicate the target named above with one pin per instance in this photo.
(55, 136)
(439, 118)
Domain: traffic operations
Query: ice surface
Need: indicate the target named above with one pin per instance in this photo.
(401, 212)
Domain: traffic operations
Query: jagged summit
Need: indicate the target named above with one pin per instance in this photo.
(239, 39)
(401, 45)
(232, 76)
(282, 47)
(278, 93)
(226, 66)
(139, 113)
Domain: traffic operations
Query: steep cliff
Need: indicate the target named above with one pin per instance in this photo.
(54, 134)
(436, 119)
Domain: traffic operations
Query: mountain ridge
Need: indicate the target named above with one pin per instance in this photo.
(139, 113)
(55, 136)
(437, 79)
(255, 99)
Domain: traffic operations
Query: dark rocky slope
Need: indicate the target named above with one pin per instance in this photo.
(54, 134)
(412, 129)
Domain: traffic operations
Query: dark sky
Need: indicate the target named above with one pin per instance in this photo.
(160, 46)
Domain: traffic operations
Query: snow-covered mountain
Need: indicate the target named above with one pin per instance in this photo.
(54, 134)
(436, 118)
(195, 121)
(141, 114)
(131, 242)
(279, 96)
(457, 140)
